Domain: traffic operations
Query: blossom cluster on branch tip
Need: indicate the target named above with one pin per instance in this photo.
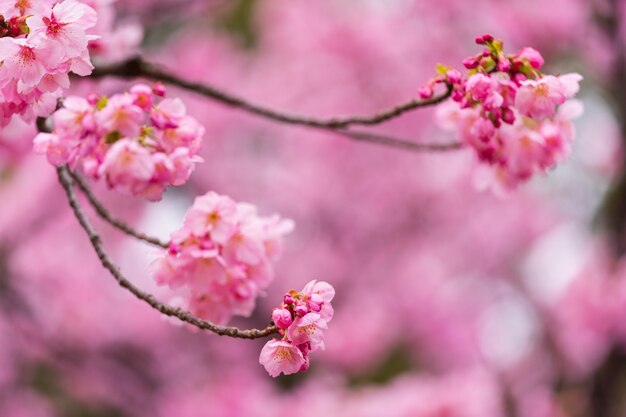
(221, 259)
(517, 120)
(301, 320)
(40, 43)
(140, 145)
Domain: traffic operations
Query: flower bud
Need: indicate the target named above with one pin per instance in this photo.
(301, 310)
(159, 89)
(282, 318)
(454, 76)
(425, 92)
(508, 116)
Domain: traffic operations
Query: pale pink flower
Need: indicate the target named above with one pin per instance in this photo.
(326, 292)
(212, 213)
(168, 113)
(539, 99)
(480, 86)
(22, 62)
(10, 8)
(127, 166)
(74, 118)
(278, 357)
(64, 28)
(570, 83)
(121, 115)
(533, 56)
(308, 329)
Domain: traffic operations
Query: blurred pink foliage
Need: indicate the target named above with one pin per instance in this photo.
(450, 302)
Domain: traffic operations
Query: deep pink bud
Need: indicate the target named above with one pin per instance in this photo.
(288, 299)
(480, 40)
(282, 318)
(93, 99)
(508, 116)
(301, 310)
(487, 38)
(159, 89)
(504, 64)
(470, 63)
(454, 76)
(457, 95)
(425, 92)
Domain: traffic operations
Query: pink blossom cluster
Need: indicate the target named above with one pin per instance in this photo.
(301, 320)
(222, 257)
(518, 120)
(138, 144)
(40, 43)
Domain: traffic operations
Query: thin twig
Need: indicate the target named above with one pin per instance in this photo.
(105, 215)
(65, 180)
(138, 67)
(399, 143)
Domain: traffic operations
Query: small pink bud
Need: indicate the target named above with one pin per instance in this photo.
(480, 40)
(159, 89)
(282, 318)
(470, 63)
(504, 64)
(487, 38)
(93, 99)
(301, 310)
(457, 95)
(425, 92)
(288, 299)
(454, 76)
(508, 116)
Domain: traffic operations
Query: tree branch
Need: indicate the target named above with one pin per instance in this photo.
(107, 217)
(138, 67)
(65, 180)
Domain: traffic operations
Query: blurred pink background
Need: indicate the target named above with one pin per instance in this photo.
(450, 301)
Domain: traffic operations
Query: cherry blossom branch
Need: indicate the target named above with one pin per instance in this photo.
(138, 67)
(65, 179)
(105, 215)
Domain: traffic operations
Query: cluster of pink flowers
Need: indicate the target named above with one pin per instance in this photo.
(221, 259)
(138, 144)
(301, 320)
(516, 119)
(40, 43)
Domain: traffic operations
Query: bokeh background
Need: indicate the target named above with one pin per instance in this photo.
(450, 301)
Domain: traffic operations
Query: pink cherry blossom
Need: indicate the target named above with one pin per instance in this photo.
(532, 55)
(308, 329)
(218, 260)
(64, 28)
(278, 357)
(539, 99)
(106, 136)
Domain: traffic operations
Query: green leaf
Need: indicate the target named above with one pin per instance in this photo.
(113, 137)
(102, 103)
